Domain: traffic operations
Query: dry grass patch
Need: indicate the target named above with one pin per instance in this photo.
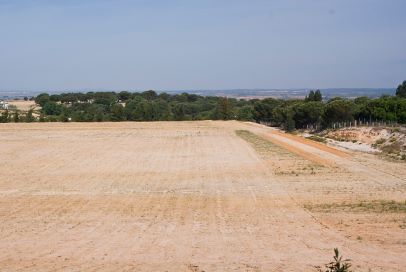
(283, 161)
(317, 138)
(376, 222)
(261, 145)
(375, 206)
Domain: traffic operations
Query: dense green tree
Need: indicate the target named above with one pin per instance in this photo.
(314, 96)
(244, 113)
(401, 118)
(224, 109)
(162, 111)
(263, 109)
(117, 113)
(99, 116)
(309, 113)
(55, 98)
(144, 111)
(401, 90)
(107, 99)
(310, 96)
(149, 95)
(16, 117)
(339, 110)
(29, 117)
(278, 116)
(41, 99)
(5, 118)
(63, 117)
(52, 108)
(164, 96)
(288, 123)
(124, 96)
(318, 96)
(185, 97)
(41, 118)
(131, 108)
(78, 116)
(362, 100)
(178, 111)
(69, 97)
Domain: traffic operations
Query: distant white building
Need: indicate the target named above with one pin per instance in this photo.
(3, 105)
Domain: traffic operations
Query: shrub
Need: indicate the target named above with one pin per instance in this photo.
(317, 138)
(380, 141)
(338, 265)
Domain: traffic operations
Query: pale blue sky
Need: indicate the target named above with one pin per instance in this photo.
(210, 44)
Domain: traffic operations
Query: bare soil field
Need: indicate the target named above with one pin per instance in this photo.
(23, 105)
(192, 196)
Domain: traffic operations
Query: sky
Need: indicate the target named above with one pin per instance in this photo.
(56, 45)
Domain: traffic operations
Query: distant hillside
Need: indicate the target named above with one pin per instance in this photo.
(294, 93)
(243, 93)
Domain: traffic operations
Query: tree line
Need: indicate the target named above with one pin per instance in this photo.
(143, 106)
(314, 112)
(151, 106)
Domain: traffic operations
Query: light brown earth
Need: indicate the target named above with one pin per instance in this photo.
(391, 141)
(23, 105)
(191, 196)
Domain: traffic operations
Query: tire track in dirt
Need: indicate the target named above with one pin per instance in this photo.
(328, 235)
(325, 155)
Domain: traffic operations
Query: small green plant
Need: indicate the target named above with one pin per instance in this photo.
(380, 141)
(317, 138)
(338, 265)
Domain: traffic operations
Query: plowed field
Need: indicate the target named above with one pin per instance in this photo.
(192, 196)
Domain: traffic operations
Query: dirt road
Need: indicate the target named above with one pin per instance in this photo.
(190, 196)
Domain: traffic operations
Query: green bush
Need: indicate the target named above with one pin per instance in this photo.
(337, 265)
(317, 138)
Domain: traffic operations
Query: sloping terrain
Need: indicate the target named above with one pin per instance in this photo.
(191, 196)
(391, 141)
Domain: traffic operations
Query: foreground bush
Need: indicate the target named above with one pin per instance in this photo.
(338, 265)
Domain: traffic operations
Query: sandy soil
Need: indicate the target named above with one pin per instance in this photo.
(388, 140)
(355, 146)
(190, 196)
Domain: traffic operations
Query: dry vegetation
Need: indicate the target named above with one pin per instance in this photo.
(192, 196)
(281, 161)
(376, 206)
(391, 141)
(23, 105)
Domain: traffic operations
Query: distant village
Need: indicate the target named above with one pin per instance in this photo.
(4, 105)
